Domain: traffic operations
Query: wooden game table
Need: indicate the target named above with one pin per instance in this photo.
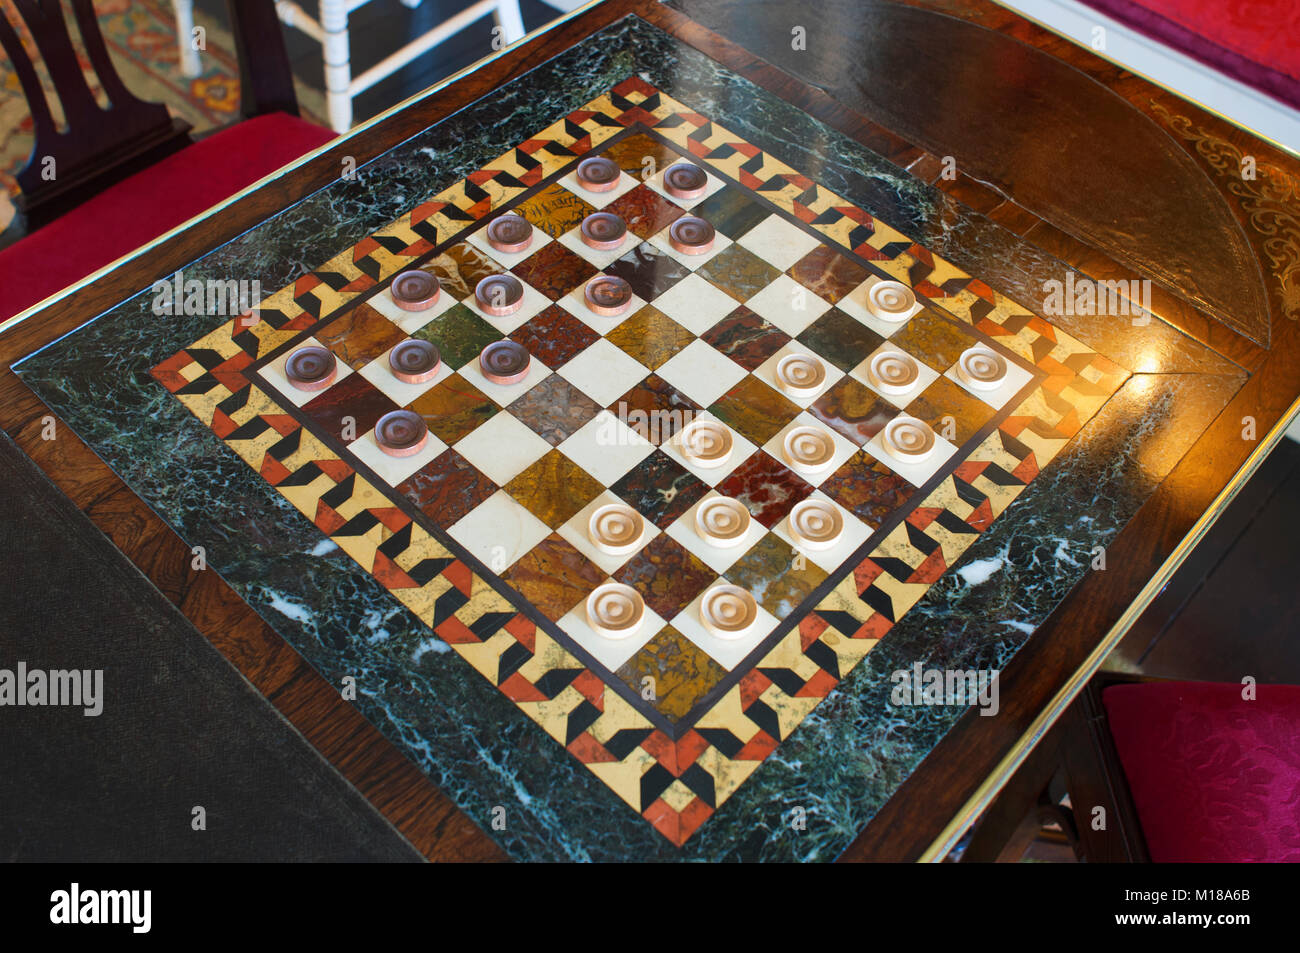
(987, 165)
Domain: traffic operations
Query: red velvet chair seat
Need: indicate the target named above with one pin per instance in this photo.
(147, 204)
(1213, 777)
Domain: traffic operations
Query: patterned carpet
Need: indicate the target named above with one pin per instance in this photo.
(141, 38)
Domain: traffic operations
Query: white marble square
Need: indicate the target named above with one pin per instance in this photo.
(533, 302)
(604, 372)
(766, 372)
(726, 652)
(741, 450)
(401, 393)
(844, 448)
(661, 241)
(701, 373)
(499, 531)
(854, 304)
(914, 473)
(505, 394)
(599, 200)
(600, 258)
(502, 448)
(393, 470)
(611, 653)
(656, 183)
(575, 531)
(695, 304)
(575, 302)
(273, 372)
(606, 447)
(410, 321)
(788, 305)
(855, 533)
(509, 259)
(1017, 377)
(778, 242)
(926, 376)
(717, 558)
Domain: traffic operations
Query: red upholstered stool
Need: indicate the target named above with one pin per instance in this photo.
(149, 203)
(1213, 777)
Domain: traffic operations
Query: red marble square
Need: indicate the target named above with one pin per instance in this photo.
(827, 273)
(555, 336)
(554, 271)
(867, 488)
(667, 575)
(645, 211)
(447, 488)
(746, 338)
(353, 397)
(768, 488)
(554, 576)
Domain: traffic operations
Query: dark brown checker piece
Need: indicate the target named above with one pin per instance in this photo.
(690, 235)
(499, 295)
(510, 234)
(415, 361)
(598, 174)
(401, 433)
(684, 180)
(415, 290)
(311, 368)
(505, 362)
(608, 295)
(603, 231)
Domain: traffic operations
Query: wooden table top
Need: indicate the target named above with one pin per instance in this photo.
(1065, 167)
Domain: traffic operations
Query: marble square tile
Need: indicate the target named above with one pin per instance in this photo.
(662, 241)
(852, 409)
(667, 575)
(926, 375)
(954, 413)
(394, 470)
(746, 338)
(598, 200)
(554, 209)
(606, 448)
(828, 273)
(914, 473)
(788, 305)
(739, 272)
(379, 373)
(741, 450)
(855, 533)
(854, 304)
(731, 211)
(867, 488)
(844, 448)
(715, 184)
(610, 653)
(479, 240)
(695, 304)
(776, 575)
(659, 488)
(554, 576)
(459, 269)
(553, 488)
(554, 409)
(554, 271)
(767, 487)
(717, 558)
(447, 488)
(502, 448)
(701, 373)
(505, 394)
(459, 335)
(655, 409)
(359, 335)
(766, 372)
(935, 339)
(554, 336)
(348, 408)
(576, 532)
(778, 242)
(755, 410)
(603, 372)
(650, 272)
(575, 303)
(840, 339)
(454, 407)
(273, 372)
(645, 211)
(682, 673)
(650, 336)
(726, 652)
(499, 531)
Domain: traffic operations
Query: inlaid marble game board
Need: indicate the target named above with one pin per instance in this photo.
(483, 534)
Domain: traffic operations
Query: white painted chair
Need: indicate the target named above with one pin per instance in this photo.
(331, 32)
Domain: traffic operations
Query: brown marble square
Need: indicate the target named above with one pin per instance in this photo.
(555, 210)
(360, 335)
(554, 488)
(827, 273)
(755, 410)
(648, 270)
(840, 339)
(853, 409)
(554, 271)
(554, 410)
(667, 575)
(934, 339)
(739, 272)
(460, 268)
(682, 673)
(777, 576)
(660, 488)
(951, 412)
(767, 487)
(650, 336)
(447, 488)
(867, 488)
(631, 153)
(353, 397)
(655, 409)
(746, 338)
(554, 336)
(645, 211)
(453, 408)
(554, 576)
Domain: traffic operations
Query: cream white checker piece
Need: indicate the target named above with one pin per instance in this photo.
(695, 304)
(611, 653)
(778, 242)
(599, 200)
(410, 321)
(509, 259)
(717, 558)
(502, 448)
(600, 258)
(844, 448)
(854, 304)
(1017, 377)
(766, 372)
(604, 372)
(606, 448)
(726, 652)
(656, 183)
(661, 241)
(273, 372)
(379, 373)
(575, 302)
(575, 531)
(855, 533)
(741, 450)
(788, 305)
(393, 470)
(913, 473)
(701, 372)
(926, 376)
(499, 531)
(505, 394)
(533, 302)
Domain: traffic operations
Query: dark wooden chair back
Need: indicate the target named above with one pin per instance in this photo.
(99, 146)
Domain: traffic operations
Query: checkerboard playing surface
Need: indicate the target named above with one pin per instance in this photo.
(483, 533)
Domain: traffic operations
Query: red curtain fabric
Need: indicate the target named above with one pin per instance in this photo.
(1214, 777)
(147, 204)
